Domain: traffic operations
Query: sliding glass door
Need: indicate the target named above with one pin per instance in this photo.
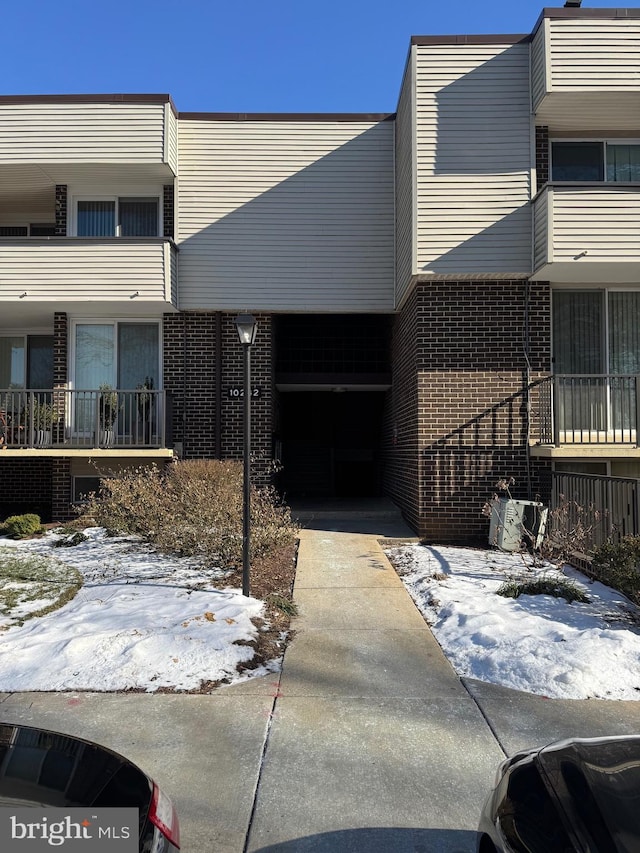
(596, 346)
(121, 355)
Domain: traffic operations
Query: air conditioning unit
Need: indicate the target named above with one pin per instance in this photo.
(516, 522)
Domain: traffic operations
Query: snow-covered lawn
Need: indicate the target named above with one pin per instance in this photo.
(147, 621)
(140, 620)
(536, 643)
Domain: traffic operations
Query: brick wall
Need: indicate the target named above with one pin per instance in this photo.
(465, 399)
(168, 208)
(25, 486)
(401, 474)
(261, 406)
(203, 362)
(61, 210)
(542, 156)
(60, 370)
(60, 349)
(61, 490)
(190, 355)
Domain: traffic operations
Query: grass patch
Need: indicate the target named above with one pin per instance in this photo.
(283, 604)
(558, 587)
(32, 585)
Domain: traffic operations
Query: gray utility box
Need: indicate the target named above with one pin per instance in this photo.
(513, 522)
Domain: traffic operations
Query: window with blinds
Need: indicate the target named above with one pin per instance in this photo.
(122, 217)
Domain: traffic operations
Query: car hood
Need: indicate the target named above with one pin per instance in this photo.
(596, 783)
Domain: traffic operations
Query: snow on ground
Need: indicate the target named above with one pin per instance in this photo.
(536, 643)
(147, 621)
(141, 620)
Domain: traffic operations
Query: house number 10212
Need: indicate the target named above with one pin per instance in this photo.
(239, 392)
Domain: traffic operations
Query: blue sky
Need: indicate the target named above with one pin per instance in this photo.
(240, 55)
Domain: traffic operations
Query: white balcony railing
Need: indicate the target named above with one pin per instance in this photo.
(76, 419)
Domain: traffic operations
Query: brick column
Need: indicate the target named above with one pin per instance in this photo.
(60, 349)
(542, 156)
(61, 210)
(168, 215)
(60, 371)
(61, 490)
(192, 374)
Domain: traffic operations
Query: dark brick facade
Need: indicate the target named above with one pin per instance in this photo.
(460, 400)
(168, 211)
(401, 471)
(61, 489)
(543, 152)
(60, 349)
(25, 486)
(203, 363)
(61, 210)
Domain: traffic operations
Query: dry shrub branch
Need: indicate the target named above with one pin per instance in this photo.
(192, 508)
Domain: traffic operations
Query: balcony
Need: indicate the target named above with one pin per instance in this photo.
(587, 233)
(97, 420)
(570, 411)
(140, 272)
(65, 132)
(585, 69)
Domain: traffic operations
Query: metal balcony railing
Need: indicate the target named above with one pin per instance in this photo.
(605, 508)
(62, 418)
(586, 409)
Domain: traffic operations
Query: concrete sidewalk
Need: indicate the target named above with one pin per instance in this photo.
(366, 742)
(375, 744)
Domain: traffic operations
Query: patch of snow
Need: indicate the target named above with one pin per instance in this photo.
(536, 643)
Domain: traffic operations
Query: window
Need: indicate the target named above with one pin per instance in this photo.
(617, 162)
(26, 361)
(596, 348)
(118, 354)
(40, 229)
(14, 231)
(122, 217)
(83, 486)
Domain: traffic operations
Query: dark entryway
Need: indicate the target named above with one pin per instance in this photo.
(333, 373)
(331, 443)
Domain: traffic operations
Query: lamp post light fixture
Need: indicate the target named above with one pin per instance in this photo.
(247, 328)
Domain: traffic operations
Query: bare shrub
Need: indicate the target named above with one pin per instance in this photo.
(192, 508)
(617, 564)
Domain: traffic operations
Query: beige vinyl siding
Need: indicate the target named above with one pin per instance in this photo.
(405, 174)
(592, 234)
(171, 138)
(539, 58)
(595, 54)
(171, 264)
(286, 215)
(541, 234)
(586, 73)
(25, 209)
(473, 159)
(82, 269)
(76, 133)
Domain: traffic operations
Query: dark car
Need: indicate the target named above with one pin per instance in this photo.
(40, 768)
(575, 795)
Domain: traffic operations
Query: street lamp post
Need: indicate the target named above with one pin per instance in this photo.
(247, 328)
